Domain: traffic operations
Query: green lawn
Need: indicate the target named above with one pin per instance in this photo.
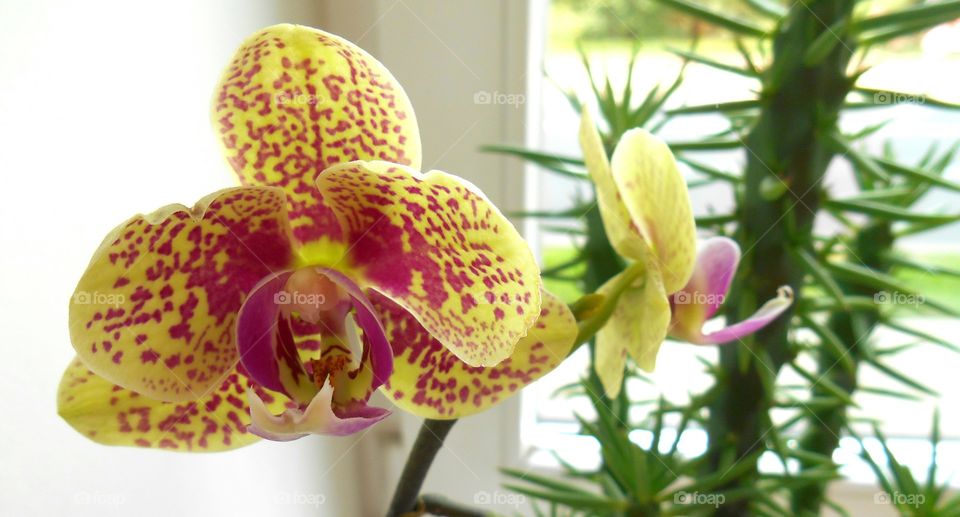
(566, 290)
(567, 27)
(944, 288)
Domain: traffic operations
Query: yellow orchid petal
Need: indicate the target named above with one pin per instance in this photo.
(155, 310)
(112, 415)
(656, 196)
(295, 100)
(637, 327)
(429, 381)
(436, 246)
(621, 231)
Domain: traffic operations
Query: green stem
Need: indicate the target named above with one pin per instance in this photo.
(597, 316)
(425, 447)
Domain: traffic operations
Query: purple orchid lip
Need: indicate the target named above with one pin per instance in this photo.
(763, 317)
(707, 289)
(718, 260)
(265, 340)
(319, 417)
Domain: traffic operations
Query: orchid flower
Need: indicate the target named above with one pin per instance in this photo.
(700, 299)
(646, 212)
(268, 309)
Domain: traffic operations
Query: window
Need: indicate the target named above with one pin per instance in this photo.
(926, 66)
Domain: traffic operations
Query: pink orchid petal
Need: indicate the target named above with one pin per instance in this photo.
(717, 262)
(699, 300)
(318, 418)
(261, 344)
(763, 317)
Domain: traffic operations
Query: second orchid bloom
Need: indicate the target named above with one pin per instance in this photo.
(670, 287)
(278, 307)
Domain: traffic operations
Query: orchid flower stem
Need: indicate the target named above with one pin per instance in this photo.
(596, 317)
(425, 447)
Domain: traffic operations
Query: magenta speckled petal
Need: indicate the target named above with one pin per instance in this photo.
(435, 245)
(430, 382)
(155, 310)
(295, 100)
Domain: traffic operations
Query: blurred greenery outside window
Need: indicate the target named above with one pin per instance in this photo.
(607, 31)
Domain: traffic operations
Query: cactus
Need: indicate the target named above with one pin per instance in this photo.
(789, 134)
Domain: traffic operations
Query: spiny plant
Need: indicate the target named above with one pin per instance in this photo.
(807, 60)
(901, 488)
